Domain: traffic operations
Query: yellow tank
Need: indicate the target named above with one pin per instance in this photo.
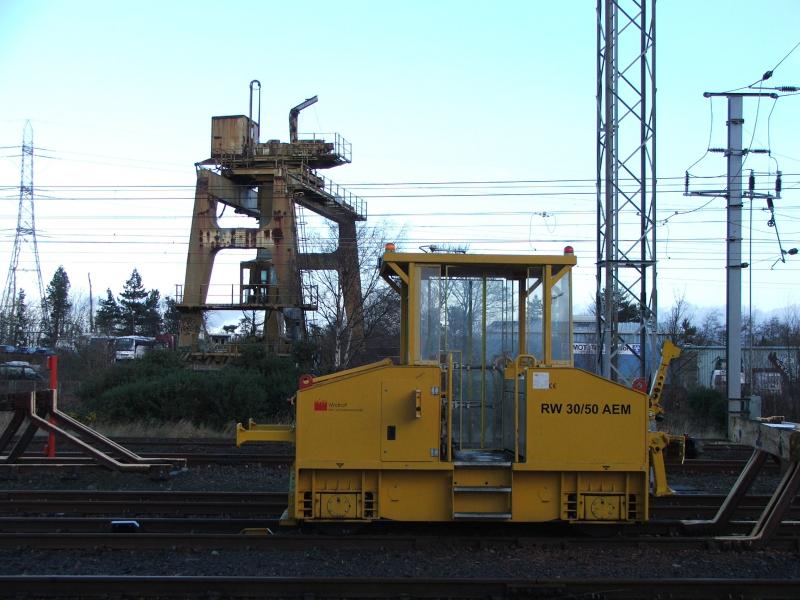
(484, 417)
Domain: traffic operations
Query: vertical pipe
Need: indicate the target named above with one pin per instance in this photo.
(522, 317)
(449, 406)
(734, 263)
(483, 364)
(405, 356)
(52, 365)
(250, 138)
(461, 405)
(469, 352)
(91, 304)
(547, 315)
(516, 409)
(413, 312)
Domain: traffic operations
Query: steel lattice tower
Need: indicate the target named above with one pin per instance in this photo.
(626, 183)
(24, 239)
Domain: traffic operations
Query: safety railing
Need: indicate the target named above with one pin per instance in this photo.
(332, 191)
(249, 295)
(341, 146)
(453, 389)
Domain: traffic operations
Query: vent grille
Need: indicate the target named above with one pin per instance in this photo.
(633, 507)
(370, 506)
(572, 506)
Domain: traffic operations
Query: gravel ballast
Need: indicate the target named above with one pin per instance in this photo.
(523, 563)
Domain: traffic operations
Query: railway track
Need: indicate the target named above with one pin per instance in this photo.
(141, 503)
(732, 466)
(145, 519)
(192, 458)
(716, 457)
(342, 587)
(106, 525)
(393, 540)
(184, 529)
(83, 503)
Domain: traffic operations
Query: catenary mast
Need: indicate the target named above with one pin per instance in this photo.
(626, 186)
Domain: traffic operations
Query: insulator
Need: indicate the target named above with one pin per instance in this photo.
(778, 184)
(686, 183)
(751, 182)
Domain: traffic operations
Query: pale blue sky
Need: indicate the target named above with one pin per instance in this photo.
(122, 93)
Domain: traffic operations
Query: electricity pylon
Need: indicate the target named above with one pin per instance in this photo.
(24, 242)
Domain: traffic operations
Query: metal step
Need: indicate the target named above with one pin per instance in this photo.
(481, 489)
(473, 516)
(464, 464)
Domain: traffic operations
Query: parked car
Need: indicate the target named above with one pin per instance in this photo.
(18, 369)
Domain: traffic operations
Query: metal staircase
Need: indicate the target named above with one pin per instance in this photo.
(481, 486)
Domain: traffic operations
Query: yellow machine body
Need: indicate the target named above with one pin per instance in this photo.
(484, 419)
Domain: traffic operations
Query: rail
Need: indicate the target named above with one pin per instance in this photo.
(41, 504)
(183, 586)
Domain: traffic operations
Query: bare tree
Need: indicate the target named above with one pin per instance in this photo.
(678, 325)
(712, 330)
(251, 325)
(350, 339)
(77, 322)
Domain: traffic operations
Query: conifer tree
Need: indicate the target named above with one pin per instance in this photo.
(133, 305)
(59, 305)
(21, 333)
(107, 318)
(172, 318)
(151, 317)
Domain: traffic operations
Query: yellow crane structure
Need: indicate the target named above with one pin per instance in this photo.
(268, 182)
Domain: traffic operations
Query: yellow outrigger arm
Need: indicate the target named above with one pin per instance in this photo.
(659, 440)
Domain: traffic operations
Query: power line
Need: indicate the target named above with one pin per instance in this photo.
(351, 185)
(767, 74)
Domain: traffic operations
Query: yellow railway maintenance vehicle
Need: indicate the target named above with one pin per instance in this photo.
(484, 418)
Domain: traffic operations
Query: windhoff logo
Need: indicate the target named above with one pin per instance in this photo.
(325, 405)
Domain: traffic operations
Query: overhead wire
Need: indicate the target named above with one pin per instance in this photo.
(710, 133)
(589, 182)
(767, 74)
(780, 62)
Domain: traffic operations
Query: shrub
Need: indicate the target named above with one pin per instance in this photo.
(160, 388)
(708, 406)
